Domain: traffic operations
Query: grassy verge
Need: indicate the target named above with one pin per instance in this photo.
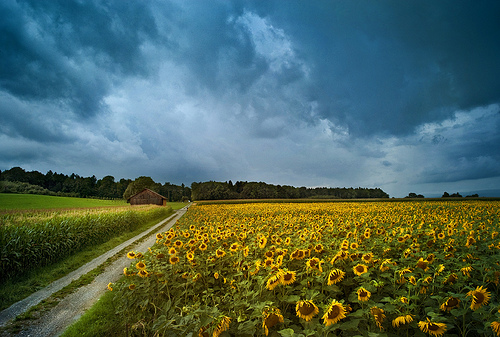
(14, 290)
(99, 320)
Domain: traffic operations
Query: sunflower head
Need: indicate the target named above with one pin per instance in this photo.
(131, 255)
(143, 273)
(273, 281)
(222, 325)
(288, 277)
(335, 276)
(363, 294)
(450, 303)
(479, 296)
(360, 269)
(334, 313)
(432, 328)
(306, 309)
(422, 264)
(401, 320)
(271, 317)
(378, 315)
(173, 259)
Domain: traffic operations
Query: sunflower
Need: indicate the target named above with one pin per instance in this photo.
(234, 247)
(220, 253)
(363, 294)
(452, 278)
(314, 263)
(450, 303)
(202, 247)
(379, 316)
(334, 313)
(268, 262)
(246, 251)
(318, 248)
(178, 244)
(172, 251)
(143, 273)
(271, 317)
(495, 326)
(367, 258)
(173, 259)
(159, 236)
(404, 271)
(335, 276)
(273, 281)
(470, 241)
(400, 320)
(306, 309)
(432, 328)
(466, 270)
(222, 325)
(360, 269)
(422, 264)
(287, 277)
(131, 255)
(269, 254)
(354, 246)
(110, 286)
(190, 256)
(131, 286)
(160, 256)
(140, 265)
(288, 241)
(384, 265)
(262, 242)
(480, 297)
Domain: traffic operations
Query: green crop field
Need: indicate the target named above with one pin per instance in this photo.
(10, 201)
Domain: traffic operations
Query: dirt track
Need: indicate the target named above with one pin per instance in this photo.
(69, 309)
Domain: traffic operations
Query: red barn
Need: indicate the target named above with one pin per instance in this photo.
(146, 196)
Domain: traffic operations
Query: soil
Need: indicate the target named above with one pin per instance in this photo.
(53, 322)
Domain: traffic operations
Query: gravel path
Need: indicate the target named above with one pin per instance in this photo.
(71, 307)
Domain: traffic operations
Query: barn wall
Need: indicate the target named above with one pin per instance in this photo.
(146, 198)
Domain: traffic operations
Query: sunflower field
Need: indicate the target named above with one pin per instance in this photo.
(426, 268)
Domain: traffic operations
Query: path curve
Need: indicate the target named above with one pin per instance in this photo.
(70, 308)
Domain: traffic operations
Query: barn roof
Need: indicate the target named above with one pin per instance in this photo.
(146, 189)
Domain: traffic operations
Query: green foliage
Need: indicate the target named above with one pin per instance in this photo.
(139, 184)
(213, 190)
(100, 320)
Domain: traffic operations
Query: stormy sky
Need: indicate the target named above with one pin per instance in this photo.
(401, 95)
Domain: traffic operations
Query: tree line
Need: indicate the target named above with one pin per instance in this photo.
(17, 180)
(213, 190)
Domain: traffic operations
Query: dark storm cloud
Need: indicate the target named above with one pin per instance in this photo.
(387, 66)
(342, 93)
(69, 51)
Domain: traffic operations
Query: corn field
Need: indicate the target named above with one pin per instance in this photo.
(33, 239)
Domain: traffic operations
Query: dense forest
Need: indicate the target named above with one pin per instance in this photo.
(17, 180)
(213, 190)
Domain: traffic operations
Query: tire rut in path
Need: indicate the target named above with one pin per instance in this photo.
(70, 308)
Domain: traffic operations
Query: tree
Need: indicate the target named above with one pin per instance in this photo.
(445, 195)
(106, 187)
(138, 185)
